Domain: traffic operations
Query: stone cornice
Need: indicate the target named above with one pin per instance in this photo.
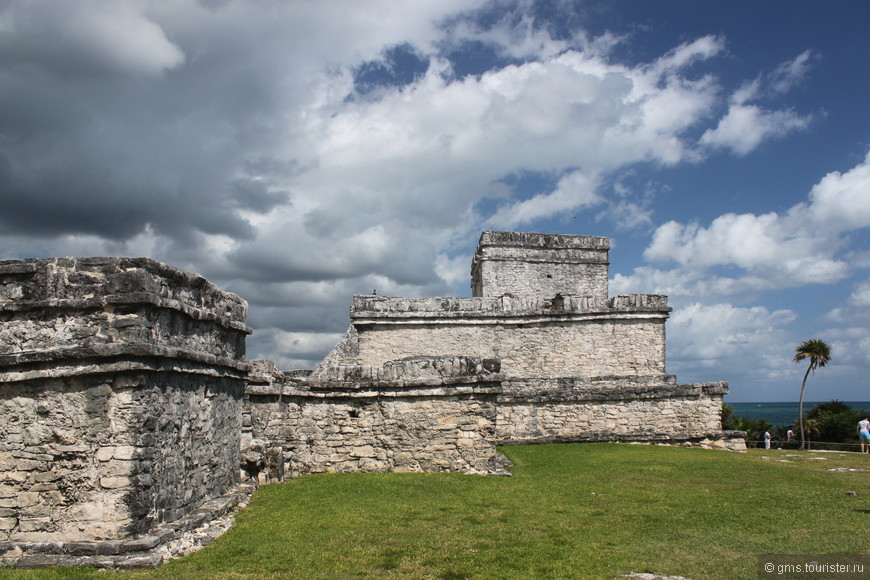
(89, 283)
(507, 309)
(528, 240)
(112, 358)
(579, 389)
(383, 391)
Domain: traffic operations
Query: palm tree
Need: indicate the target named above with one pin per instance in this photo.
(819, 354)
(812, 426)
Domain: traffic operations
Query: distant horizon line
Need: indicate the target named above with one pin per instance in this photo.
(791, 402)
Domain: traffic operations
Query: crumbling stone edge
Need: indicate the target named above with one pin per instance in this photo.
(148, 551)
(731, 440)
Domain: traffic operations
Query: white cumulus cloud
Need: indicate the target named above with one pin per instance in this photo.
(771, 251)
(751, 343)
(746, 124)
(233, 138)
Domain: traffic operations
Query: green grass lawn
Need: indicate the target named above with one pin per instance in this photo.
(569, 511)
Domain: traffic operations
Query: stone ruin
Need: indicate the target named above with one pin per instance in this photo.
(130, 414)
(121, 389)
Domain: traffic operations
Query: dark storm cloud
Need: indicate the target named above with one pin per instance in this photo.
(82, 197)
(107, 127)
(256, 195)
(331, 318)
(280, 258)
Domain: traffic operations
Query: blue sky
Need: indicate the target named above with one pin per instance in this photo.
(297, 153)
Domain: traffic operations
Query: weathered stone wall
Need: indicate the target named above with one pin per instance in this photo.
(121, 386)
(67, 308)
(604, 409)
(575, 336)
(110, 456)
(415, 415)
(49, 476)
(543, 265)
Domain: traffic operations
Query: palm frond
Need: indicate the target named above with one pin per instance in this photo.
(816, 350)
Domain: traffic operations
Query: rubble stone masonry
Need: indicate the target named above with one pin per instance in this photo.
(640, 409)
(520, 264)
(428, 414)
(579, 336)
(121, 387)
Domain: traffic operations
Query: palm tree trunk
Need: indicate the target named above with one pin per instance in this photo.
(801, 416)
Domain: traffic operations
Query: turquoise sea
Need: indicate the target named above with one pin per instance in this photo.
(783, 413)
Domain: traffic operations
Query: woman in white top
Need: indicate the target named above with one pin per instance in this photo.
(864, 434)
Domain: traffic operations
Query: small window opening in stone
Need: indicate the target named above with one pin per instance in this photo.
(549, 275)
(354, 413)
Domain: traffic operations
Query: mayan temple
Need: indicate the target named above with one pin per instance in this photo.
(131, 415)
(576, 364)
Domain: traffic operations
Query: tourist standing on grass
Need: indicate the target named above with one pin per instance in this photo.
(767, 439)
(864, 434)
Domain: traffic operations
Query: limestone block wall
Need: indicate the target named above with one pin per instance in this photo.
(543, 265)
(63, 309)
(109, 457)
(121, 387)
(638, 409)
(418, 415)
(568, 336)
